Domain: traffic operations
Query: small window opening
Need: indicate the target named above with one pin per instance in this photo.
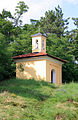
(43, 44)
(36, 44)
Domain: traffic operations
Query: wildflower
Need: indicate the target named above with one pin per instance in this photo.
(13, 95)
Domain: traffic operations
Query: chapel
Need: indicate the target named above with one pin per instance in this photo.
(38, 64)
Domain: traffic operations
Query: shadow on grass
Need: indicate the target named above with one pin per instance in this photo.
(26, 88)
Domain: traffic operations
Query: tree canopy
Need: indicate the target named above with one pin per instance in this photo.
(15, 39)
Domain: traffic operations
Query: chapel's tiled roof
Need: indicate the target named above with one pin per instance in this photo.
(37, 55)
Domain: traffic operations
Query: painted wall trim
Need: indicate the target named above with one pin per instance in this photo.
(39, 58)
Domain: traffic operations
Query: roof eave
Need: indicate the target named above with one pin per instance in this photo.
(28, 56)
(64, 61)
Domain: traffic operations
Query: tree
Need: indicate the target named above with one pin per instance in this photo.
(6, 26)
(10, 25)
(20, 9)
(75, 39)
(53, 22)
(5, 59)
(6, 14)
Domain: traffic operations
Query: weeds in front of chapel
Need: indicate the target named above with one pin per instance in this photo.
(38, 100)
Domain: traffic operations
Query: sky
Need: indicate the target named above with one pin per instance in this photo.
(37, 8)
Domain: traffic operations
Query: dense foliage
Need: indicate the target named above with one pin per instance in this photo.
(15, 39)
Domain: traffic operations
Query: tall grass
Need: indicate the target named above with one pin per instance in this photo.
(37, 100)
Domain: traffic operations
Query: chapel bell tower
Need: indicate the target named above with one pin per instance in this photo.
(38, 43)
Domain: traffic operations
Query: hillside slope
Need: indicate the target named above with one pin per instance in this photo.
(38, 100)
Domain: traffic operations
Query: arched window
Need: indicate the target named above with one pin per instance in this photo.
(36, 45)
(43, 44)
(53, 76)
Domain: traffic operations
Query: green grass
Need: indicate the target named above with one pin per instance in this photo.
(38, 100)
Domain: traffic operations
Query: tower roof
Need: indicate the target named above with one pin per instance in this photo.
(38, 34)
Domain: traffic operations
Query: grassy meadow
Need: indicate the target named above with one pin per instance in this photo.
(38, 100)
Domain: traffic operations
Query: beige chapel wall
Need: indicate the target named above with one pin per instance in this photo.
(58, 70)
(32, 69)
(43, 38)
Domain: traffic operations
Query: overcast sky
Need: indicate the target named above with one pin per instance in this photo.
(37, 8)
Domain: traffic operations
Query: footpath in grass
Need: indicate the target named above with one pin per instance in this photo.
(38, 100)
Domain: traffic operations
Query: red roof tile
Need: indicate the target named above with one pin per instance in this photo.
(37, 55)
(29, 55)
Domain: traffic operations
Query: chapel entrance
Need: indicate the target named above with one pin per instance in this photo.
(53, 76)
